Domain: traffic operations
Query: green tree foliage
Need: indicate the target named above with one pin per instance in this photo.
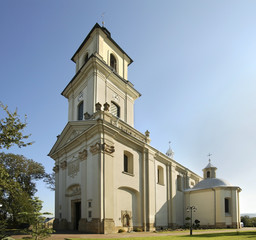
(17, 186)
(22, 170)
(37, 228)
(50, 180)
(12, 199)
(11, 130)
(248, 222)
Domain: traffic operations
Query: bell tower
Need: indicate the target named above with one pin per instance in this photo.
(101, 77)
(209, 171)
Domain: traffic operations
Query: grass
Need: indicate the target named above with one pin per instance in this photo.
(213, 236)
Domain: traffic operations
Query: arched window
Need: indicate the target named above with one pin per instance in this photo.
(86, 57)
(179, 183)
(80, 111)
(208, 174)
(160, 175)
(115, 109)
(128, 163)
(112, 62)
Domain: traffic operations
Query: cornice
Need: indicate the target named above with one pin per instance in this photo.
(94, 62)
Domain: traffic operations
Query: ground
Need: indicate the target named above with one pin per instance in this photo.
(142, 235)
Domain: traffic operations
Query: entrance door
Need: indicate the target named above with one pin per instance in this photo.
(77, 214)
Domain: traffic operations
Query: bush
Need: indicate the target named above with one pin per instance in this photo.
(137, 230)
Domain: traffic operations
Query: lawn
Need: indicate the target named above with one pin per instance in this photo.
(212, 236)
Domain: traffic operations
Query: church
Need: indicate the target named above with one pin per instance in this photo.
(108, 176)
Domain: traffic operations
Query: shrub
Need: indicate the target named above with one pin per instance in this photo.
(137, 230)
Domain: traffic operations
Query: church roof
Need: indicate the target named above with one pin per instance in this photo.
(105, 30)
(209, 183)
(209, 165)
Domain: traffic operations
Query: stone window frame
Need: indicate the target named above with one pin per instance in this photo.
(227, 206)
(128, 163)
(117, 107)
(113, 62)
(80, 110)
(160, 175)
(85, 58)
(179, 183)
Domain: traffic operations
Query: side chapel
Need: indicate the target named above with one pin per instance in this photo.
(108, 176)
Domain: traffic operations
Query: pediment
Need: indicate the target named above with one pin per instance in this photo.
(71, 131)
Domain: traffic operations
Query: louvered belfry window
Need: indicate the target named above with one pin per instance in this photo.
(113, 62)
(115, 109)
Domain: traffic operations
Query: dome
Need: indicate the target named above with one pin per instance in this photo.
(210, 183)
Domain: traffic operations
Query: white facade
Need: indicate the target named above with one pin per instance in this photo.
(108, 176)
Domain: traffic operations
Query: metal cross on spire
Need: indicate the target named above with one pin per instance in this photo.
(209, 155)
(102, 19)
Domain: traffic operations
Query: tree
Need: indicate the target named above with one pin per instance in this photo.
(50, 180)
(37, 228)
(18, 185)
(11, 130)
(11, 195)
(22, 170)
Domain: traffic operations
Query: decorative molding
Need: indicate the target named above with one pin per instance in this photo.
(56, 168)
(98, 106)
(80, 96)
(73, 190)
(87, 116)
(73, 168)
(106, 106)
(63, 165)
(73, 135)
(107, 148)
(83, 155)
(116, 97)
(95, 148)
(126, 218)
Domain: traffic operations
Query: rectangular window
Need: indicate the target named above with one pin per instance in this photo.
(179, 183)
(89, 214)
(80, 111)
(125, 163)
(227, 205)
(89, 204)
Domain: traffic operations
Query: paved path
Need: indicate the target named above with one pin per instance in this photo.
(61, 236)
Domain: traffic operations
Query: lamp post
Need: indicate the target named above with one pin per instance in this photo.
(191, 209)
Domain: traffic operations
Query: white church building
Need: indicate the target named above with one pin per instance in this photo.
(108, 176)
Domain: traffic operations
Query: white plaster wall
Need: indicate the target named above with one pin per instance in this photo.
(106, 47)
(204, 202)
(161, 198)
(128, 200)
(90, 47)
(127, 187)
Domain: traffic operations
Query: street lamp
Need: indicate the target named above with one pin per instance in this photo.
(191, 209)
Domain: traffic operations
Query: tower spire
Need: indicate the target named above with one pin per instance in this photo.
(169, 152)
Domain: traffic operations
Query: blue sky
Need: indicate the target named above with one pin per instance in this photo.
(194, 64)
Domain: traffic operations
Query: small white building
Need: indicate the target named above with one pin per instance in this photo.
(216, 201)
(108, 176)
